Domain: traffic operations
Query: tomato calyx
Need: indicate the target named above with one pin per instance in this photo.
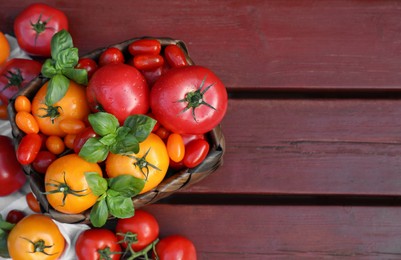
(40, 26)
(39, 246)
(106, 253)
(131, 238)
(142, 164)
(52, 112)
(195, 99)
(14, 79)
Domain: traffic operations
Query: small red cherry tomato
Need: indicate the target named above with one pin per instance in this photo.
(111, 55)
(195, 152)
(29, 148)
(88, 64)
(162, 132)
(144, 46)
(175, 147)
(14, 216)
(82, 137)
(32, 202)
(43, 160)
(175, 56)
(148, 62)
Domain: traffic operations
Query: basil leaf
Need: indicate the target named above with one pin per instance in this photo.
(140, 125)
(127, 185)
(119, 206)
(3, 245)
(127, 145)
(96, 183)
(103, 123)
(48, 69)
(80, 76)
(4, 225)
(60, 41)
(67, 58)
(99, 213)
(108, 139)
(56, 89)
(94, 151)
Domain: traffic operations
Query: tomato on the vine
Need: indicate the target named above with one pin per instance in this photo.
(176, 247)
(189, 100)
(99, 243)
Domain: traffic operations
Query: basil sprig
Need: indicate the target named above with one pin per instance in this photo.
(114, 138)
(60, 69)
(5, 228)
(115, 196)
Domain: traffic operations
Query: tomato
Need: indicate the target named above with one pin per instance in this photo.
(66, 187)
(35, 237)
(72, 125)
(175, 56)
(111, 55)
(73, 105)
(69, 140)
(139, 231)
(189, 100)
(175, 147)
(55, 144)
(12, 177)
(26, 122)
(162, 132)
(82, 137)
(35, 26)
(144, 46)
(4, 48)
(150, 163)
(32, 202)
(148, 62)
(100, 243)
(118, 89)
(190, 137)
(152, 76)
(176, 247)
(29, 148)
(195, 152)
(43, 160)
(88, 64)
(22, 103)
(3, 112)
(16, 74)
(14, 216)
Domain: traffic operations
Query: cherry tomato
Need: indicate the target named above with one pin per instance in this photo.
(176, 247)
(111, 55)
(175, 147)
(190, 137)
(32, 202)
(162, 132)
(3, 112)
(4, 48)
(43, 160)
(99, 243)
(195, 152)
(148, 62)
(26, 122)
(82, 137)
(29, 148)
(144, 46)
(35, 26)
(14, 216)
(72, 125)
(152, 76)
(55, 144)
(88, 64)
(175, 56)
(69, 140)
(22, 103)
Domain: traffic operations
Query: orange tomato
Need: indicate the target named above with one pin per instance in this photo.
(72, 125)
(55, 144)
(4, 48)
(175, 147)
(150, 163)
(65, 184)
(73, 105)
(26, 122)
(69, 140)
(22, 103)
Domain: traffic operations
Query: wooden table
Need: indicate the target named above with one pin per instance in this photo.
(313, 128)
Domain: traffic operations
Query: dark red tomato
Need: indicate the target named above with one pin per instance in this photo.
(82, 137)
(29, 148)
(189, 100)
(32, 202)
(12, 177)
(111, 55)
(144, 46)
(190, 137)
(119, 89)
(175, 56)
(35, 26)
(100, 243)
(176, 247)
(152, 76)
(15, 75)
(43, 160)
(148, 62)
(87, 64)
(141, 229)
(14, 216)
(195, 152)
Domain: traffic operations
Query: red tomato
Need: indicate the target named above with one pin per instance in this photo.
(3, 112)
(88, 64)
(29, 148)
(101, 243)
(32, 202)
(189, 137)
(176, 247)
(148, 62)
(15, 76)
(175, 57)
(144, 46)
(111, 55)
(189, 100)
(141, 230)
(152, 76)
(195, 152)
(35, 26)
(118, 89)
(82, 137)
(43, 160)
(14, 216)
(12, 177)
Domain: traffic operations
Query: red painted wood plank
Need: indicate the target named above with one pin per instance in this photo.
(316, 146)
(284, 232)
(254, 44)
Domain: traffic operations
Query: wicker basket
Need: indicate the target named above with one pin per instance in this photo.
(172, 182)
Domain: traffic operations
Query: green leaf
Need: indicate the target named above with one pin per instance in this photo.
(4, 225)
(94, 151)
(103, 123)
(60, 41)
(99, 213)
(67, 58)
(80, 76)
(56, 89)
(96, 183)
(49, 69)
(3, 246)
(108, 139)
(119, 206)
(127, 145)
(126, 185)
(141, 126)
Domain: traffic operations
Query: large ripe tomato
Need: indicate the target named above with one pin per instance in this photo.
(35, 237)
(12, 177)
(94, 244)
(139, 230)
(189, 100)
(73, 105)
(150, 163)
(176, 247)
(35, 26)
(66, 186)
(118, 89)
(15, 76)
